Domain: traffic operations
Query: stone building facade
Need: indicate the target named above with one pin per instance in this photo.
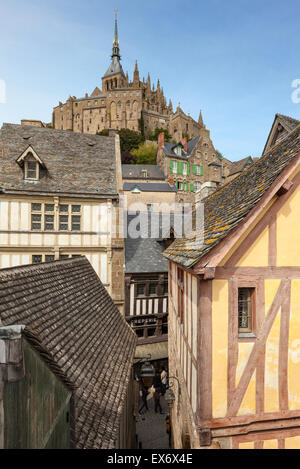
(123, 103)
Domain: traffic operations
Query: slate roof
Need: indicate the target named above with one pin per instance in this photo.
(69, 315)
(145, 254)
(168, 148)
(239, 166)
(134, 171)
(149, 186)
(75, 163)
(227, 207)
(115, 67)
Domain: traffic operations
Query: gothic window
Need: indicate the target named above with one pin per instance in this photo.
(113, 110)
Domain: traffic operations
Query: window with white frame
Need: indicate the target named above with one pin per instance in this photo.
(31, 168)
(184, 169)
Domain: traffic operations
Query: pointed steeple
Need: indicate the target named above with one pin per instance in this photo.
(158, 85)
(116, 45)
(115, 66)
(170, 106)
(200, 120)
(136, 75)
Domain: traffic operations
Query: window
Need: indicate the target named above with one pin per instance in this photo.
(245, 309)
(38, 258)
(184, 169)
(140, 289)
(96, 102)
(43, 217)
(49, 217)
(31, 168)
(180, 186)
(152, 289)
(36, 216)
(89, 103)
(150, 207)
(144, 173)
(178, 151)
(63, 257)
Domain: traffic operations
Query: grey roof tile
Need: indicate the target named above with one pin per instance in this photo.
(73, 323)
(75, 163)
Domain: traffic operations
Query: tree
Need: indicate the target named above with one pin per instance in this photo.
(130, 140)
(104, 132)
(219, 155)
(154, 135)
(145, 154)
(128, 158)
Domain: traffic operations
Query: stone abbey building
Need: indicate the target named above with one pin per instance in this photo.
(123, 104)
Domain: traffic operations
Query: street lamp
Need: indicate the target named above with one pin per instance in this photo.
(169, 395)
(147, 374)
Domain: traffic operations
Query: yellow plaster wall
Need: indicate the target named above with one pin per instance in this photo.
(294, 348)
(288, 232)
(292, 443)
(271, 287)
(219, 347)
(245, 349)
(271, 368)
(248, 403)
(257, 254)
(246, 445)
(271, 444)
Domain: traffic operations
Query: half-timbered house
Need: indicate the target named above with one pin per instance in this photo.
(234, 323)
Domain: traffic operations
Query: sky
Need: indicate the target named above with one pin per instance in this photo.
(236, 60)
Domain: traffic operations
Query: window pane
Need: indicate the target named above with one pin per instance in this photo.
(49, 257)
(75, 208)
(36, 207)
(63, 227)
(245, 309)
(75, 223)
(49, 208)
(140, 289)
(62, 257)
(152, 289)
(37, 259)
(64, 208)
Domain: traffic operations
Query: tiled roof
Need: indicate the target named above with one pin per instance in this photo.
(134, 171)
(169, 148)
(149, 186)
(227, 207)
(289, 123)
(144, 254)
(74, 162)
(239, 166)
(70, 317)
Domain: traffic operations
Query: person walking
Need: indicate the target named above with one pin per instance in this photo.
(157, 404)
(145, 393)
(163, 378)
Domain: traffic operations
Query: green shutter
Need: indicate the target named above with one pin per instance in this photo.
(171, 166)
(192, 187)
(188, 169)
(178, 167)
(181, 170)
(201, 170)
(194, 169)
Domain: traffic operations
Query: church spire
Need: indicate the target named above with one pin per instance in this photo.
(200, 120)
(116, 46)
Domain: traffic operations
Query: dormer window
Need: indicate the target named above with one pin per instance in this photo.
(31, 164)
(178, 151)
(32, 169)
(144, 173)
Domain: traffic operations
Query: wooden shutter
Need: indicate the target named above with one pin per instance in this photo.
(171, 166)
(201, 170)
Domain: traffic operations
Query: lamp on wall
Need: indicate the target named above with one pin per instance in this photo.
(169, 395)
(147, 373)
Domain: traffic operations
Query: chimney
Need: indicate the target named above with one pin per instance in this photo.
(161, 140)
(184, 143)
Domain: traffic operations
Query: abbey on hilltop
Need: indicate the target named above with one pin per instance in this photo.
(122, 103)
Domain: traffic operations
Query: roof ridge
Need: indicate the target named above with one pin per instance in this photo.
(42, 265)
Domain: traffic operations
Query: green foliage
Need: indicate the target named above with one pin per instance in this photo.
(146, 154)
(130, 140)
(104, 132)
(154, 135)
(219, 155)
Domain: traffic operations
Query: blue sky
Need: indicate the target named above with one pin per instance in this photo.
(233, 59)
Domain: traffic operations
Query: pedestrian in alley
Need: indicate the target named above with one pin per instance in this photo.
(145, 393)
(163, 378)
(157, 404)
